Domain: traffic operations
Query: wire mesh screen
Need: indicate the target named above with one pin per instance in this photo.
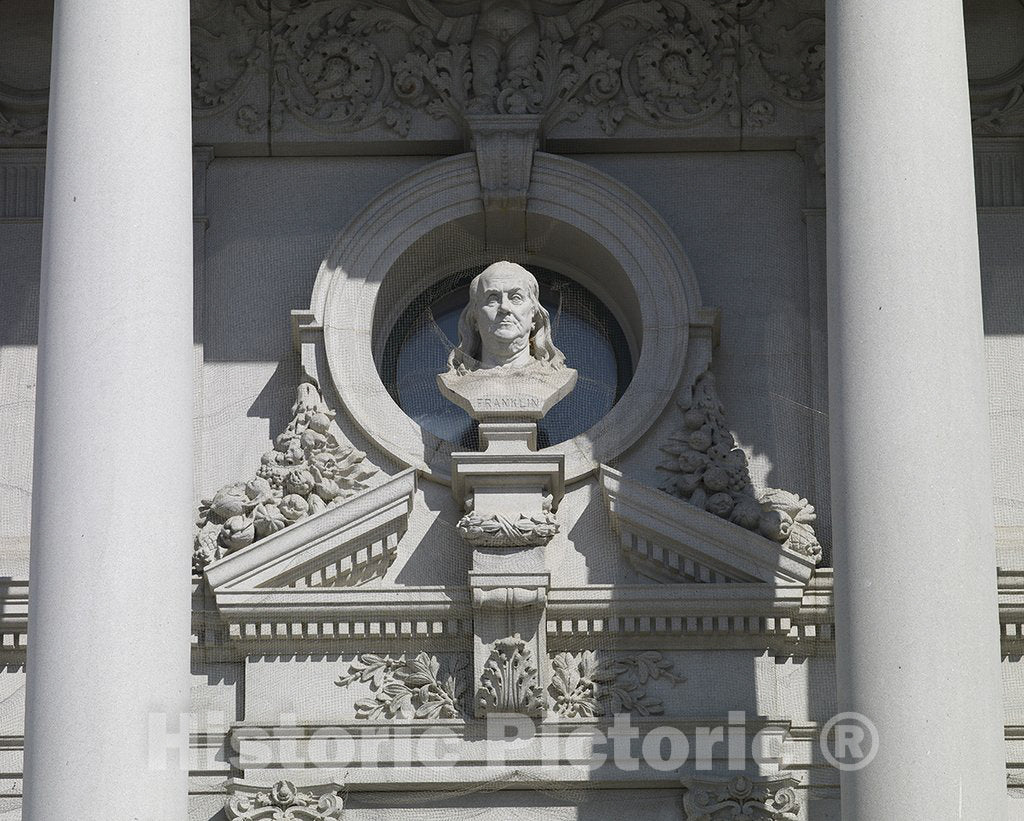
(584, 329)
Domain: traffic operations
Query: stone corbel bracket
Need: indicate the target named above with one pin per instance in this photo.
(504, 145)
(355, 539)
(509, 641)
(307, 340)
(673, 541)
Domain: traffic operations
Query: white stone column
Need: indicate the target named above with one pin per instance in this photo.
(917, 626)
(112, 494)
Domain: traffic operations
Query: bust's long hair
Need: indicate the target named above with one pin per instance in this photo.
(466, 355)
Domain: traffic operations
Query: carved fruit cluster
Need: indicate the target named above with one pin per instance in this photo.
(311, 467)
(405, 689)
(710, 472)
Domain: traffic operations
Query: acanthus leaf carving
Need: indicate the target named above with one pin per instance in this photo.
(312, 466)
(509, 683)
(784, 43)
(283, 802)
(771, 799)
(414, 688)
(582, 686)
(710, 472)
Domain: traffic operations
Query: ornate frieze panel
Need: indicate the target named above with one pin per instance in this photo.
(594, 68)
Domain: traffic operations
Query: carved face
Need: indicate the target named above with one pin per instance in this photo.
(507, 309)
(504, 322)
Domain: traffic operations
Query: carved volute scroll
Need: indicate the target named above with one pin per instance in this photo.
(284, 802)
(770, 799)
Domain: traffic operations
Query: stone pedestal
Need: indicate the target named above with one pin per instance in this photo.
(512, 495)
(917, 641)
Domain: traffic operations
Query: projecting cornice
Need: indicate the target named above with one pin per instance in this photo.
(673, 541)
(350, 541)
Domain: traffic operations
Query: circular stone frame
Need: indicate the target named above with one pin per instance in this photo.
(592, 228)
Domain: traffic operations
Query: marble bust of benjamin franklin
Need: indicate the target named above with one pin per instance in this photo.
(504, 324)
(506, 365)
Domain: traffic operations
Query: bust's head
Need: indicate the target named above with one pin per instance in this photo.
(504, 323)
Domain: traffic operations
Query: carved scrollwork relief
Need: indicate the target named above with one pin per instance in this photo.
(784, 45)
(311, 467)
(741, 797)
(283, 802)
(663, 63)
(710, 471)
(583, 686)
(509, 681)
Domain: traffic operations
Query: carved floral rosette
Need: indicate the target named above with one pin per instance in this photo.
(710, 472)
(311, 467)
(283, 802)
(741, 797)
(509, 681)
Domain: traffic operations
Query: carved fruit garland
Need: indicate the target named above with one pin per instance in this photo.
(311, 468)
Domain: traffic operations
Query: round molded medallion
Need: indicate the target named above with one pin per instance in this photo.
(429, 227)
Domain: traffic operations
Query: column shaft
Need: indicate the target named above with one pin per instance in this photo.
(916, 612)
(112, 496)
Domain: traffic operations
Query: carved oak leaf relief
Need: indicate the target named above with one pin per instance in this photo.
(414, 688)
(582, 686)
